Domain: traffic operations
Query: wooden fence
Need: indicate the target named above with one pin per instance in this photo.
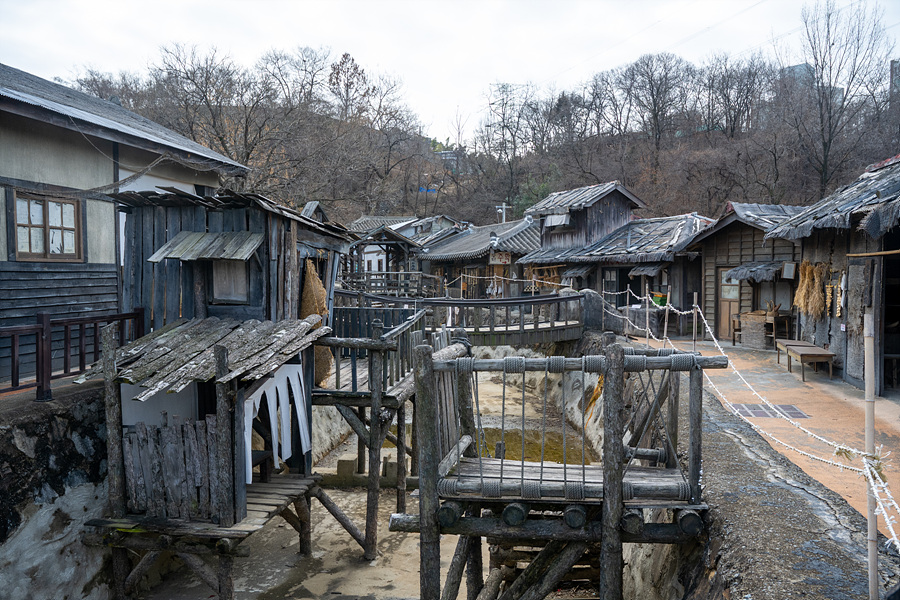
(54, 348)
(395, 283)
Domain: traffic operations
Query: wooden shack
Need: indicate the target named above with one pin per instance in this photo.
(851, 238)
(743, 272)
(572, 220)
(647, 254)
(229, 358)
(481, 262)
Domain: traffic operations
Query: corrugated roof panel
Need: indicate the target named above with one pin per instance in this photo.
(193, 245)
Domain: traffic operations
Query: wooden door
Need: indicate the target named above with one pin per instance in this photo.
(728, 303)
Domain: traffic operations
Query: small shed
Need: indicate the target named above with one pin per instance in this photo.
(229, 255)
(574, 219)
(852, 243)
(481, 261)
(742, 272)
(647, 252)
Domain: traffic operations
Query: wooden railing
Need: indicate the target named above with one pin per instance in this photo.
(395, 283)
(521, 320)
(55, 348)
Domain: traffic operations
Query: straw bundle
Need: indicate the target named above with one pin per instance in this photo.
(313, 301)
(816, 299)
(803, 285)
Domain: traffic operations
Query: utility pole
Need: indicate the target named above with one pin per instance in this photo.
(869, 371)
(501, 210)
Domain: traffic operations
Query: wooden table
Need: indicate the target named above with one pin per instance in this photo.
(804, 352)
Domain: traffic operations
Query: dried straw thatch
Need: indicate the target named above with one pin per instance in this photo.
(314, 301)
(816, 298)
(803, 285)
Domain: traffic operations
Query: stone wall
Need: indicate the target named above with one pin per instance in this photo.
(52, 480)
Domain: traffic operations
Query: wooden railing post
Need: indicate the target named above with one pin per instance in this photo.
(44, 358)
(429, 450)
(613, 457)
(695, 411)
(224, 462)
(376, 387)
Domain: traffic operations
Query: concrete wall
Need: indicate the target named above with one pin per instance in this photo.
(35, 151)
(53, 466)
(101, 233)
(132, 160)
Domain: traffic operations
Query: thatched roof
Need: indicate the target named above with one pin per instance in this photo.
(873, 200)
(755, 271)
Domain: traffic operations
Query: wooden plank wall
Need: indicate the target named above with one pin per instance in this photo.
(165, 289)
(589, 225)
(61, 289)
(170, 470)
(733, 246)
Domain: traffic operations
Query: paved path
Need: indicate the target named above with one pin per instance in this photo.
(836, 411)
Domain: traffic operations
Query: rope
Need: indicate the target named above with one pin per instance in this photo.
(556, 364)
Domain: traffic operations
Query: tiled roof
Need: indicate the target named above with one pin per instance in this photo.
(518, 237)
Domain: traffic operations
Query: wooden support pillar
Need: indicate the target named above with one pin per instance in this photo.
(429, 455)
(224, 461)
(225, 577)
(339, 515)
(115, 459)
(672, 419)
(611, 561)
(564, 562)
(301, 505)
(696, 428)
(376, 383)
(401, 457)
(200, 295)
(455, 572)
(534, 571)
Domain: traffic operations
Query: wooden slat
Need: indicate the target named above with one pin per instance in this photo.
(212, 471)
(203, 473)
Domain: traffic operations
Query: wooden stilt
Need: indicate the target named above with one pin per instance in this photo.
(455, 572)
(534, 571)
(695, 409)
(611, 542)
(376, 383)
(147, 561)
(202, 570)
(565, 560)
(115, 458)
(401, 457)
(301, 505)
(224, 461)
(226, 580)
(429, 451)
(319, 494)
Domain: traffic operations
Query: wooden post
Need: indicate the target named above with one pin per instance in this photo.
(429, 450)
(115, 459)
(647, 312)
(224, 463)
(672, 419)
(361, 444)
(696, 426)
(611, 560)
(869, 369)
(401, 457)
(44, 358)
(376, 380)
(200, 297)
(666, 325)
(694, 335)
(226, 581)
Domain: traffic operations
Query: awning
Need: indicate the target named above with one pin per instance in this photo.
(580, 271)
(553, 220)
(649, 269)
(192, 245)
(755, 271)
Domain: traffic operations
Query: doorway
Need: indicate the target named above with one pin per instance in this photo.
(728, 303)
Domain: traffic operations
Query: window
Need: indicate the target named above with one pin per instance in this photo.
(230, 282)
(47, 229)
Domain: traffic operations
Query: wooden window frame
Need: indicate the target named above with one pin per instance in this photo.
(46, 255)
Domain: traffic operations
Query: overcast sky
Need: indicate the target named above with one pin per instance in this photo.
(446, 53)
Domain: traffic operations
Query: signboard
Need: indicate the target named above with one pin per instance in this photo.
(500, 258)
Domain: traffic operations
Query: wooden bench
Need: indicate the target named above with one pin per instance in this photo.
(804, 352)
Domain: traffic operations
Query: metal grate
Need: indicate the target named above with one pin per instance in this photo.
(763, 411)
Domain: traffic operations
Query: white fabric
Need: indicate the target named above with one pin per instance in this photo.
(275, 392)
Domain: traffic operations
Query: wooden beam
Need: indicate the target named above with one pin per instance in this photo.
(356, 424)
(224, 462)
(338, 514)
(611, 559)
(429, 449)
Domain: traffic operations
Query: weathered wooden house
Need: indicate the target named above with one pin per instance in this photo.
(646, 254)
(570, 221)
(481, 262)
(743, 272)
(61, 151)
(235, 307)
(852, 240)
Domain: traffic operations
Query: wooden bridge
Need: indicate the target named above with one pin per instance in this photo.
(521, 321)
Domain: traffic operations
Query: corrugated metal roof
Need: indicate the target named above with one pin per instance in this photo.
(518, 237)
(755, 271)
(190, 245)
(560, 203)
(368, 223)
(764, 216)
(645, 240)
(649, 269)
(32, 90)
(224, 199)
(874, 199)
